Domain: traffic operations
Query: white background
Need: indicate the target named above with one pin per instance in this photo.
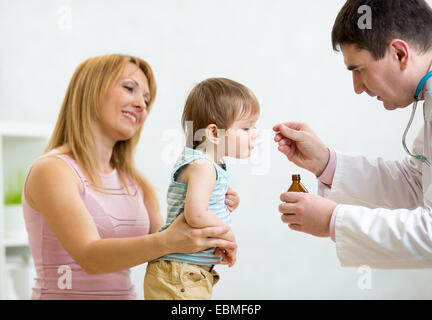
(282, 51)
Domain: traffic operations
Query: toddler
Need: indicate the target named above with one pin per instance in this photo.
(219, 121)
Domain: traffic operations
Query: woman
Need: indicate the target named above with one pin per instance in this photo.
(90, 214)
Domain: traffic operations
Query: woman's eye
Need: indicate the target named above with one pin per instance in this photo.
(130, 89)
(246, 129)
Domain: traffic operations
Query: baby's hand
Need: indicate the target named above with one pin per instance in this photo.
(232, 199)
(229, 256)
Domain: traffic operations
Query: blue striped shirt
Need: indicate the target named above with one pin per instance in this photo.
(176, 200)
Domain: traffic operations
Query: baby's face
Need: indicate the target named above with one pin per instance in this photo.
(240, 138)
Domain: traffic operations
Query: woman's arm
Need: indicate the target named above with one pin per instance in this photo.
(155, 217)
(53, 189)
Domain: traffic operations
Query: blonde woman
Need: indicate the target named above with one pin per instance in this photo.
(90, 214)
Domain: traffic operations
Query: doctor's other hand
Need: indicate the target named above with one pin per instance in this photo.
(302, 146)
(307, 212)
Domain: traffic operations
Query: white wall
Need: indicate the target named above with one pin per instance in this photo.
(282, 51)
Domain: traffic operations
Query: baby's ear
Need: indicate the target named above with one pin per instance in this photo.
(212, 133)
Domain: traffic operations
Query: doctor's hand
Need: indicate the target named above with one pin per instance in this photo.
(302, 146)
(307, 212)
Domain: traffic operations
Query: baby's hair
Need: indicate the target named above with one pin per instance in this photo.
(218, 101)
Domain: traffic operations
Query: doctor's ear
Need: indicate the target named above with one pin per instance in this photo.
(211, 132)
(400, 51)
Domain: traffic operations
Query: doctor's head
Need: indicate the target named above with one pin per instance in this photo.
(387, 45)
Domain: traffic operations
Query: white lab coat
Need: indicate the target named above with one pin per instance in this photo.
(384, 216)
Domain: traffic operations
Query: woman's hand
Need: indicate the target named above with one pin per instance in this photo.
(182, 238)
(228, 255)
(232, 199)
(302, 146)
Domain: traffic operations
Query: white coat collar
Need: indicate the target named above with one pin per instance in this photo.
(427, 94)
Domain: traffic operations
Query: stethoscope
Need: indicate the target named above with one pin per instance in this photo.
(420, 157)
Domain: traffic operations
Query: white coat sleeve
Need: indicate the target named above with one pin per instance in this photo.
(377, 183)
(383, 238)
(381, 220)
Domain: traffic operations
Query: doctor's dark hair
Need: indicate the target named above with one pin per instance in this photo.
(408, 20)
(218, 101)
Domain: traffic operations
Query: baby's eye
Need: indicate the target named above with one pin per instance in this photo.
(250, 128)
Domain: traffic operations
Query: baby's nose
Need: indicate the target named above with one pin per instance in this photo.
(254, 134)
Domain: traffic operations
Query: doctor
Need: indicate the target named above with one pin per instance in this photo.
(378, 212)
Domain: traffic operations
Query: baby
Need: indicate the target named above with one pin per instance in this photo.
(219, 121)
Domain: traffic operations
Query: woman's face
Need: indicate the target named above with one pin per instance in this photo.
(124, 106)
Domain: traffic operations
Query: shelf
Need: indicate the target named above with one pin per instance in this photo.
(15, 233)
(25, 130)
(14, 243)
(20, 145)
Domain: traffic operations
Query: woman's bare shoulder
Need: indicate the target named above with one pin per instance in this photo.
(50, 165)
(49, 173)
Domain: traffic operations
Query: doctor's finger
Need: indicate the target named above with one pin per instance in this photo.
(292, 134)
(284, 142)
(291, 197)
(290, 218)
(279, 137)
(288, 208)
(289, 152)
(290, 124)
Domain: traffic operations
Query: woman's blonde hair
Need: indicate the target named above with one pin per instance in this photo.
(218, 101)
(81, 105)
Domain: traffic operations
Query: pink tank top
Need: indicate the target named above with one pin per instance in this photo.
(116, 215)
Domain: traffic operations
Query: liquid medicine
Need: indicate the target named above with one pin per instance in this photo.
(296, 185)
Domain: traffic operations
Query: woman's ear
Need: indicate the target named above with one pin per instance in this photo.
(211, 132)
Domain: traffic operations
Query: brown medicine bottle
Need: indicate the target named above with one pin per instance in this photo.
(296, 185)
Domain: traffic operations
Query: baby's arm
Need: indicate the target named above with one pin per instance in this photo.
(200, 176)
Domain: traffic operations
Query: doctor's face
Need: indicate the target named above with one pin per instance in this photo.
(383, 79)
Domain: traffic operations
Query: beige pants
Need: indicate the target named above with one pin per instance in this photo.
(172, 280)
